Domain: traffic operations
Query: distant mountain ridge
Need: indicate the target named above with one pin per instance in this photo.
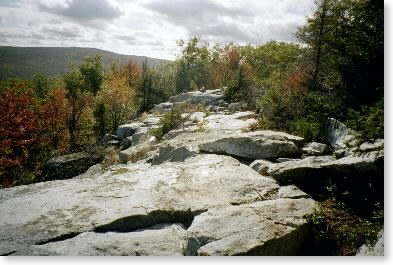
(25, 62)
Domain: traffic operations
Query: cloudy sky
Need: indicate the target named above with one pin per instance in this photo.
(148, 27)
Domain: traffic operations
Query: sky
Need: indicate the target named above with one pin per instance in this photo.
(148, 27)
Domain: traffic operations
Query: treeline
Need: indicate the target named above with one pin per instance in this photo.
(336, 71)
(46, 117)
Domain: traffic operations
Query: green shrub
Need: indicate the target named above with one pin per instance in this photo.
(309, 130)
(169, 121)
(369, 121)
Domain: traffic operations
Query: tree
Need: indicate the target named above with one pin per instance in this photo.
(145, 88)
(52, 120)
(193, 66)
(92, 72)
(346, 38)
(41, 85)
(80, 85)
(18, 131)
(119, 94)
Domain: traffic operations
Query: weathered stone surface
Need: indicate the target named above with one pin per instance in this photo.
(353, 165)
(209, 97)
(159, 240)
(126, 130)
(126, 143)
(374, 146)
(253, 145)
(316, 149)
(318, 167)
(126, 198)
(338, 134)
(162, 107)
(261, 166)
(376, 250)
(272, 227)
(197, 116)
(298, 171)
(234, 122)
(108, 138)
(137, 152)
(151, 121)
(68, 166)
(140, 136)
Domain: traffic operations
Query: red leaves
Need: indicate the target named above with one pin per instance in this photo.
(17, 126)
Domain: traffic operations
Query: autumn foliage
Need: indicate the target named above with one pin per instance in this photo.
(18, 130)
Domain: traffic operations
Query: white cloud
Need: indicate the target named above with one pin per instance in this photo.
(148, 27)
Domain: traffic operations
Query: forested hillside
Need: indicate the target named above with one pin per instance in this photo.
(25, 62)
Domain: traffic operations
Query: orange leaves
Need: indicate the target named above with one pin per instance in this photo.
(18, 132)
(52, 120)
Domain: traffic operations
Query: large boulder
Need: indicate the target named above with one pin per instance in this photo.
(126, 130)
(266, 228)
(159, 240)
(253, 145)
(69, 166)
(316, 149)
(137, 196)
(338, 134)
(137, 153)
(295, 171)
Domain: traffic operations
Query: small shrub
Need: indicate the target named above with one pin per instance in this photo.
(110, 157)
(309, 130)
(169, 121)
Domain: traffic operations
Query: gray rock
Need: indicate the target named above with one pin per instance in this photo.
(317, 149)
(376, 250)
(272, 227)
(69, 166)
(338, 134)
(261, 166)
(318, 167)
(137, 152)
(126, 130)
(140, 136)
(109, 138)
(173, 153)
(151, 121)
(159, 240)
(162, 107)
(297, 172)
(197, 97)
(136, 196)
(126, 143)
(354, 165)
(253, 145)
(197, 116)
(234, 122)
(285, 159)
(374, 146)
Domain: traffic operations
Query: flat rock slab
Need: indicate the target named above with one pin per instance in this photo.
(296, 171)
(127, 198)
(273, 227)
(160, 240)
(253, 145)
(317, 167)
